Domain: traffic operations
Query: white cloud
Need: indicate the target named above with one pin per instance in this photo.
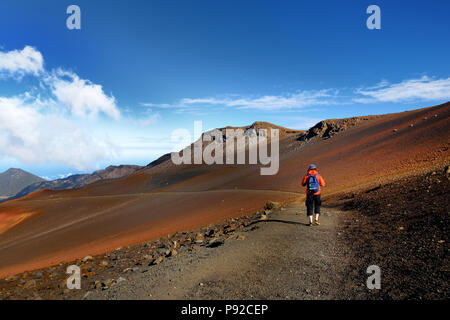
(18, 63)
(31, 136)
(148, 120)
(295, 100)
(64, 175)
(82, 97)
(424, 88)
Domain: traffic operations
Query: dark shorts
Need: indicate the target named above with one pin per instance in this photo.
(313, 203)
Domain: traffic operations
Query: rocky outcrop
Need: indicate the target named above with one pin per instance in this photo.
(327, 128)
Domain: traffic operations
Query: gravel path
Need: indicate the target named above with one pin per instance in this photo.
(277, 258)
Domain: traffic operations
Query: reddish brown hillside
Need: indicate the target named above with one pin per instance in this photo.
(351, 154)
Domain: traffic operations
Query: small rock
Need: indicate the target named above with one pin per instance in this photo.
(87, 294)
(271, 205)
(30, 284)
(87, 258)
(11, 278)
(104, 263)
(109, 282)
(98, 284)
(263, 217)
(121, 279)
(214, 243)
(200, 237)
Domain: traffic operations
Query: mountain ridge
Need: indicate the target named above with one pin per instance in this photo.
(14, 179)
(77, 180)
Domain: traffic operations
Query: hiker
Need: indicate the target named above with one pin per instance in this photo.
(313, 182)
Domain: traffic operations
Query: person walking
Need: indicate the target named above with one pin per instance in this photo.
(313, 182)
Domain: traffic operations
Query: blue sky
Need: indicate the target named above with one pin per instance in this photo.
(111, 93)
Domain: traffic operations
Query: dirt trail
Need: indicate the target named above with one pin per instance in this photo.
(278, 258)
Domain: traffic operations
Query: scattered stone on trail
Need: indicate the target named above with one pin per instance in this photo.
(395, 130)
(109, 282)
(271, 205)
(87, 258)
(214, 243)
(200, 237)
(11, 278)
(98, 284)
(156, 261)
(104, 263)
(263, 217)
(121, 279)
(30, 284)
(86, 295)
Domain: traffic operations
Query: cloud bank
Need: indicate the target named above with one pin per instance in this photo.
(424, 89)
(421, 89)
(41, 131)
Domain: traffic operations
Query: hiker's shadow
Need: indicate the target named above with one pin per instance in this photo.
(281, 221)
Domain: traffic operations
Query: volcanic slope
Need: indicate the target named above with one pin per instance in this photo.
(352, 154)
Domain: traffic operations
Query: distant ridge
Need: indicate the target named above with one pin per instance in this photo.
(76, 180)
(13, 180)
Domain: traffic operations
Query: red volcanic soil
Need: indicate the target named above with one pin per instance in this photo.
(166, 198)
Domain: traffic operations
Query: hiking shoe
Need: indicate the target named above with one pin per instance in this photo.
(317, 223)
(309, 224)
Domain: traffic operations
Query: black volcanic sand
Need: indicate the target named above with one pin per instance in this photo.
(403, 227)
